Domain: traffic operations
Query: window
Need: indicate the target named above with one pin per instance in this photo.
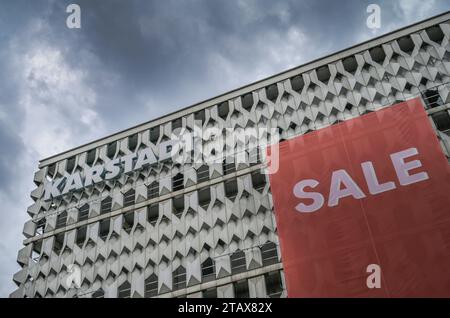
(274, 286)
(204, 197)
(177, 182)
(40, 226)
(179, 278)
(442, 121)
(124, 290)
(178, 205)
(323, 74)
(83, 213)
(377, 54)
(238, 262)
(81, 235)
(241, 289)
(177, 123)
(231, 189)
(247, 101)
(350, 64)
(209, 293)
(90, 157)
(70, 164)
(128, 221)
(132, 142)
(58, 243)
(406, 44)
(61, 220)
(228, 166)
(103, 229)
(223, 110)
(202, 173)
(258, 181)
(111, 150)
(200, 116)
(106, 205)
(269, 254)
(272, 92)
(99, 293)
(151, 286)
(154, 134)
(432, 98)
(153, 213)
(254, 156)
(128, 198)
(153, 190)
(208, 270)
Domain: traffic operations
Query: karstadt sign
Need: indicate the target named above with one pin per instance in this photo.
(208, 146)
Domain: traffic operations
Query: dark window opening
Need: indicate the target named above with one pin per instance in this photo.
(58, 243)
(99, 293)
(132, 142)
(40, 226)
(247, 101)
(272, 92)
(323, 74)
(111, 150)
(258, 181)
(377, 54)
(178, 205)
(297, 83)
(153, 190)
(177, 123)
(228, 166)
(90, 157)
(223, 110)
(254, 156)
(200, 116)
(202, 173)
(153, 213)
(238, 264)
(204, 197)
(435, 34)
(179, 278)
(432, 98)
(128, 221)
(70, 165)
(128, 198)
(208, 270)
(241, 289)
(103, 229)
(81, 235)
(106, 205)
(154, 134)
(231, 189)
(61, 220)
(83, 213)
(209, 293)
(178, 182)
(442, 121)
(350, 64)
(124, 290)
(151, 286)
(269, 254)
(406, 44)
(274, 285)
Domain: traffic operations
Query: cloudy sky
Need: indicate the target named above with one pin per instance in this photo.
(132, 61)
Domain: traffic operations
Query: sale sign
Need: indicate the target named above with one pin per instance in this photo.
(363, 208)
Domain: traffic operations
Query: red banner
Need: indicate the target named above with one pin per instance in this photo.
(363, 208)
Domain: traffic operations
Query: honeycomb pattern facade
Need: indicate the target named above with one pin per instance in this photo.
(198, 230)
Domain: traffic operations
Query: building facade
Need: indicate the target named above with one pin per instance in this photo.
(209, 230)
